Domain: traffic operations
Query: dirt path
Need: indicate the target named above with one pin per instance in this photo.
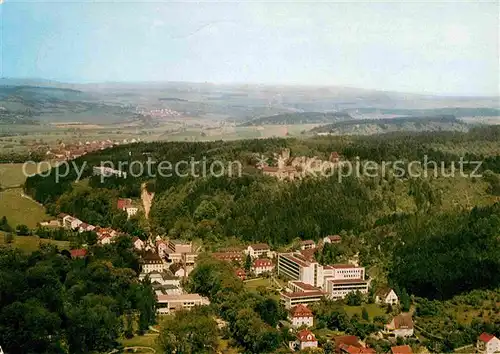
(147, 199)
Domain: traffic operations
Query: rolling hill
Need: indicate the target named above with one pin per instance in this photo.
(299, 118)
(381, 126)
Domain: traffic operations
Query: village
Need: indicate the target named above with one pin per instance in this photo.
(299, 282)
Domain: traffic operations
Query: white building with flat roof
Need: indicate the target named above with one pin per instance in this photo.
(336, 280)
(171, 303)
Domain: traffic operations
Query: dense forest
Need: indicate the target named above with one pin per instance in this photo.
(50, 303)
(380, 126)
(300, 118)
(257, 208)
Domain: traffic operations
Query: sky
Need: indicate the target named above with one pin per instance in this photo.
(421, 46)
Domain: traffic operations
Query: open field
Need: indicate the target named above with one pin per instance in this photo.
(20, 209)
(147, 340)
(373, 310)
(11, 174)
(29, 244)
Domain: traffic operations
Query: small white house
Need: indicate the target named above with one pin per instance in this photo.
(305, 339)
(401, 325)
(488, 344)
(386, 296)
(138, 243)
(300, 315)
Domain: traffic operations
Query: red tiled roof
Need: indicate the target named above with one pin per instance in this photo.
(260, 246)
(306, 335)
(299, 294)
(300, 311)
(347, 281)
(123, 203)
(305, 286)
(262, 262)
(307, 242)
(351, 349)
(486, 337)
(348, 340)
(78, 253)
(308, 254)
(334, 237)
(295, 259)
(403, 321)
(344, 266)
(401, 349)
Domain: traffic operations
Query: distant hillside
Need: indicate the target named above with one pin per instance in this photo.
(380, 126)
(20, 104)
(456, 111)
(300, 118)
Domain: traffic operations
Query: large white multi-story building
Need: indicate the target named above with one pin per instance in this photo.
(336, 280)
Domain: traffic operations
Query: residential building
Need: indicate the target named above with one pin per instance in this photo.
(332, 239)
(152, 262)
(401, 325)
(70, 222)
(178, 246)
(488, 344)
(240, 273)
(259, 250)
(262, 265)
(351, 345)
(138, 243)
(167, 289)
(401, 349)
(84, 227)
(229, 256)
(161, 247)
(307, 244)
(178, 270)
(386, 296)
(305, 339)
(78, 253)
(301, 315)
(171, 303)
(108, 172)
(125, 204)
(51, 223)
(162, 278)
(290, 299)
(104, 239)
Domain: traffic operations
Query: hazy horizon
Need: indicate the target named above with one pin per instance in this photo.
(446, 49)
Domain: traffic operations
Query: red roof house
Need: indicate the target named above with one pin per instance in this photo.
(78, 253)
(401, 349)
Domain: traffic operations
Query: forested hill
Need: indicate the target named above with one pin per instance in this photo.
(380, 126)
(300, 118)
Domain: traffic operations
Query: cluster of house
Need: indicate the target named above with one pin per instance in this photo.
(105, 235)
(300, 316)
(289, 168)
(72, 151)
(166, 263)
(260, 253)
